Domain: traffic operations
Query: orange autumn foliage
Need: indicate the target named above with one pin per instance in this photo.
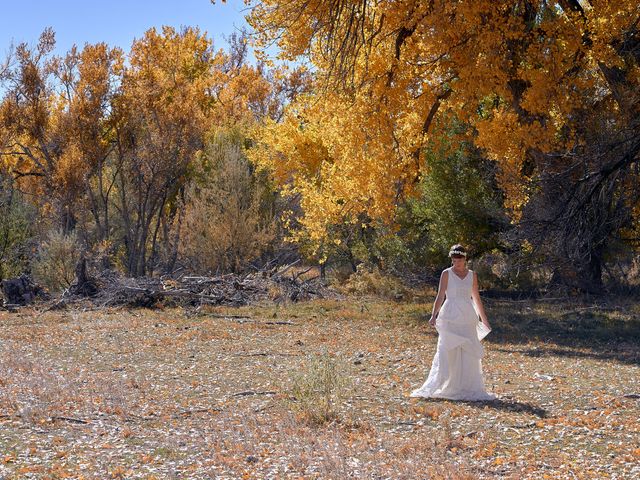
(389, 76)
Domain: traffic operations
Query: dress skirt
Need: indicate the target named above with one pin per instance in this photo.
(456, 370)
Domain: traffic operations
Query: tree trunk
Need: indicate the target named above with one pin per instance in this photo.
(84, 284)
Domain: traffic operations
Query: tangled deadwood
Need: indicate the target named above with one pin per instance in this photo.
(232, 290)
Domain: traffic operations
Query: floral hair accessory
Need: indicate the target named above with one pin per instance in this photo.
(457, 252)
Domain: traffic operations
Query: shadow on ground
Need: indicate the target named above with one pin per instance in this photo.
(500, 404)
(567, 330)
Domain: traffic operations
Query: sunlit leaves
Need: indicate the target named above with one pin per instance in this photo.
(386, 73)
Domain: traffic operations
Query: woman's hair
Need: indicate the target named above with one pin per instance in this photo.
(458, 251)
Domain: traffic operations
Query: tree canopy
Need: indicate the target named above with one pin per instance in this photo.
(391, 76)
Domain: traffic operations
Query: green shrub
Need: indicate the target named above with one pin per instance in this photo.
(57, 258)
(16, 222)
(458, 201)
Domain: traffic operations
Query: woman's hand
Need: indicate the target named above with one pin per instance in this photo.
(486, 323)
(432, 320)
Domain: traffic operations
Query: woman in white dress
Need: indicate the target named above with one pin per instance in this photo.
(456, 371)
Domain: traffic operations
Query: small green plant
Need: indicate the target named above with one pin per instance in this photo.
(318, 388)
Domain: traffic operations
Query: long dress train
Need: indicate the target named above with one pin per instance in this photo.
(456, 371)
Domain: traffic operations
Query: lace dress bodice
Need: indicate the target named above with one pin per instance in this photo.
(459, 288)
(458, 306)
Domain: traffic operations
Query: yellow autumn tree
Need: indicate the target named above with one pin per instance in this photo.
(106, 142)
(53, 121)
(389, 76)
(176, 91)
(161, 115)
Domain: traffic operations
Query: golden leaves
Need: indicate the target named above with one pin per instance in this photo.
(381, 91)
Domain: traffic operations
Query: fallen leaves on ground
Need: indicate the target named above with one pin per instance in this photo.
(184, 394)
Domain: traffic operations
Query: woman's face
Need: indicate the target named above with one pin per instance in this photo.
(458, 263)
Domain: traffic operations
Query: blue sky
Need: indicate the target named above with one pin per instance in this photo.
(116, 22)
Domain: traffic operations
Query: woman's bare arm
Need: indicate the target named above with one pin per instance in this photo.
(442, 288)
(475, 295)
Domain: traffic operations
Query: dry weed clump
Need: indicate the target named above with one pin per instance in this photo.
(56, 261)
(318, 388)
(373, 282)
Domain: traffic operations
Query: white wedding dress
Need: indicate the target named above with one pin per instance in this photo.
(456, 371)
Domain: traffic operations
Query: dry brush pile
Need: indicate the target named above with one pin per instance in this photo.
(109, 289)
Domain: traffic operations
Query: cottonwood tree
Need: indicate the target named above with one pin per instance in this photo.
(390, 75)
(90, 81)
(107, 146)
(175, 92)
(161, 113)
(54, 122)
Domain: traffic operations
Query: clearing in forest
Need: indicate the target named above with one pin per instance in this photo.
(316, 389)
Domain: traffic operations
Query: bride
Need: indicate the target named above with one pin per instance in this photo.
(456, 371)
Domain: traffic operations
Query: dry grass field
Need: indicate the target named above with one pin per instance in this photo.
(315, 390)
